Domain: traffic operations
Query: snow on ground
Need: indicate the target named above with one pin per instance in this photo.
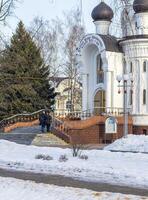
(102, 166)
(16, 189)
(136, 143)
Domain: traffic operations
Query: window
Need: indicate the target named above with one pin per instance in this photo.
(144, 132)
(144, 97)
(58, 104)
(136, 25)
(131, 67)
(144, 66)
(111, 125)
(100, 72)
(124, 66)
(131, 97)
(68, 105)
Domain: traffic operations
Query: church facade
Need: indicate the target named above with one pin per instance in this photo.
(108, 64)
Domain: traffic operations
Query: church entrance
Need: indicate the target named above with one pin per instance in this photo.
(99, 103)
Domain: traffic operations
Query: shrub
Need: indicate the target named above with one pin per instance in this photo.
(63, 158)
(43, 157)
(83, 157)
(77, 149)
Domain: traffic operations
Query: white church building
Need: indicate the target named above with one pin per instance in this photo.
(109, 64)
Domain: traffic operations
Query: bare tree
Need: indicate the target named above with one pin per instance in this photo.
(119, 7)
(75, 32)
(6, 10)
(47, 35)
(6, 7)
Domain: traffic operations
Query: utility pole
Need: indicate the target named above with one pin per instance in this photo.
(127, 84)
(81, 12)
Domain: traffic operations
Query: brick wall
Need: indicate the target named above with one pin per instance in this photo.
(92, 131)
(19, 125)
(140, 130)
(85, 136)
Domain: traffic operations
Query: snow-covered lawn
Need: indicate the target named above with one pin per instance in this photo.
(26, 190)
(136, 143)
(102, 166)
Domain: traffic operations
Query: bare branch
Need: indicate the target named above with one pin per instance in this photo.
(6, 7)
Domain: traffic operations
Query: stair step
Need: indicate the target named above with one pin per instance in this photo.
(47, 140)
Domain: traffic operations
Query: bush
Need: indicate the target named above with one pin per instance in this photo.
(83, 157)
(43, 157)
(63, 158)
(76, 149)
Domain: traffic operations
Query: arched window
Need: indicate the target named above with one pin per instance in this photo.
(124, 66)
(131, 97)
(131, 67)
(144, 97)
(144, 66)
(111, 125)
(100, 72)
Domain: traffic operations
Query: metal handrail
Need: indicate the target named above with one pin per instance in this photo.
(114, 111)
(57, 124)
(20, 117)
(24, 114)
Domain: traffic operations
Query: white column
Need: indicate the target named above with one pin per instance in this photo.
(137, 89)
(140, 87)
(85, 92)
(109, 89)
(134, 106)
(146, 87)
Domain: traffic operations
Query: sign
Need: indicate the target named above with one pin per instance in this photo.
(90, 39)
(111, 125)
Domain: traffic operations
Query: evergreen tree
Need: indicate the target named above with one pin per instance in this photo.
(24, 84)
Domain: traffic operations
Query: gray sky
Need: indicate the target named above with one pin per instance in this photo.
(28, 9)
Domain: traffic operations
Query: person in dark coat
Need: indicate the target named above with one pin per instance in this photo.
(42, 120)
(48, 122)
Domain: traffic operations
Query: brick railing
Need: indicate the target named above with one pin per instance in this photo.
(60, 130)
(30, 119)
(25, 119)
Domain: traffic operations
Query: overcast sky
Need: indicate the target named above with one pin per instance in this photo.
(26, 10)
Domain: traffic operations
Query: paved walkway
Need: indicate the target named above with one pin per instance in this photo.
(21, 135)
(20, 138)
(69, 182)
(32, 136)
(31, 129)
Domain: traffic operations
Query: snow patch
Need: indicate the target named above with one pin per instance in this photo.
(102, 166)
(133, 143)
(17, 190)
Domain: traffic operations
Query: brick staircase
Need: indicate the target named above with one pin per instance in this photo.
(75, 128)
(23, 129)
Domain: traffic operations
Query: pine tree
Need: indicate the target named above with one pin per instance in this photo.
(24, 84)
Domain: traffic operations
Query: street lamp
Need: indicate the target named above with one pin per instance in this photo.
(125, 82)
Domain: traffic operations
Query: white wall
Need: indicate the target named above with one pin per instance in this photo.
(112, 66)
(115, 68)
(136, 51)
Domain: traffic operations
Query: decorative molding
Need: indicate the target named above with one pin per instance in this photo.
(88, 40)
